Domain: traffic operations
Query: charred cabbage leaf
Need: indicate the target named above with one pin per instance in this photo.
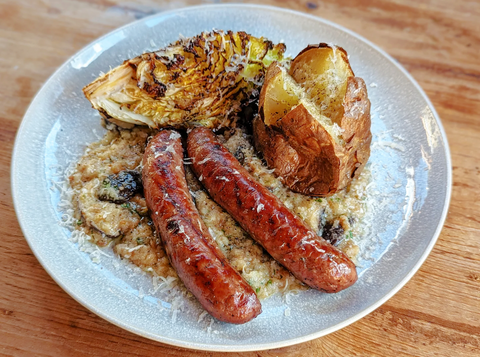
(201, 80)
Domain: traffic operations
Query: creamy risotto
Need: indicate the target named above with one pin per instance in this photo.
(110, 208)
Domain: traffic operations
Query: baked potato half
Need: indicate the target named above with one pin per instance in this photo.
(314, 123)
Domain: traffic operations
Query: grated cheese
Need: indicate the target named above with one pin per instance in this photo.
(266, 276)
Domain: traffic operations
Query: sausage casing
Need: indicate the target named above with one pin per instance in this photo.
(198, 261)
(310, 258)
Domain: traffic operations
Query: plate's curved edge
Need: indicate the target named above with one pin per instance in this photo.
(266, 346)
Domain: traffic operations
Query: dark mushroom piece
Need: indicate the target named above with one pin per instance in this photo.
(121, 187)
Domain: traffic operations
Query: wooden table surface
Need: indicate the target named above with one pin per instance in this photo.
(436, 314)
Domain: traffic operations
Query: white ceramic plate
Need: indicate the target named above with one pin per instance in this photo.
(410, 161)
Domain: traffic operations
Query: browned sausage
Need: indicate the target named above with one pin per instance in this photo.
(199, 263)
(285, 236)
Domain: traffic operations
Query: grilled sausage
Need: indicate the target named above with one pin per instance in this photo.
(285, 236)
(198, 261)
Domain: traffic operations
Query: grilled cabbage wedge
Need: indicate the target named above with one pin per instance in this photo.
(314, 123)
(201, 80)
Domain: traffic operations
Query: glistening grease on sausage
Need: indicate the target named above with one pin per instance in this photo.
(198, 261)
(285, 236)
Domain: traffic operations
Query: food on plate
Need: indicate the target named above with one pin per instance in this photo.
(192, 251)
(313, 132)
(314, 124)
(202, 80)
(119, 188)
(310, 258)
(339, 218)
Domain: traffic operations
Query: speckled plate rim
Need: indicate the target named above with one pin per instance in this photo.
(261, 346)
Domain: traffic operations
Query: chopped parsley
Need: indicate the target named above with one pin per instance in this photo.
(129, 207)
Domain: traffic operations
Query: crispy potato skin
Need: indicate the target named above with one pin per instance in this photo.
(191, 250)
(297, 146)
(356, 124)
(308, 159)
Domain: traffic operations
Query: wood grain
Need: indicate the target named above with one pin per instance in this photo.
(436, 314)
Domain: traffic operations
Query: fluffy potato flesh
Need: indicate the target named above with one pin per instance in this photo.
(323, 72)
(314, 125)
(201, 80)
(279, 97)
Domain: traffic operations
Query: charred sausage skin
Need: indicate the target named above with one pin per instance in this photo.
(198, 261)
(310, 258)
